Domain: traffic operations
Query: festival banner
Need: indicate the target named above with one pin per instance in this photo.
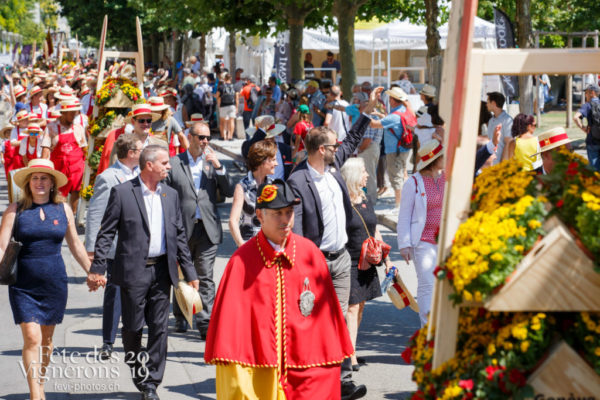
(282, 57)
(505, 39)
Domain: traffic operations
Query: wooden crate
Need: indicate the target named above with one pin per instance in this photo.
(556, 275)
(564, 374)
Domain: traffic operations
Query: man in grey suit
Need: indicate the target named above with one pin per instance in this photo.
(197, 175)
(152, 242)
(128, 149)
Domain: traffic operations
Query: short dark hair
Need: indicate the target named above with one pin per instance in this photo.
(497, 98)
(259, 152)
(125, 143)
(329, 54)
(149, 154)
(316, 138)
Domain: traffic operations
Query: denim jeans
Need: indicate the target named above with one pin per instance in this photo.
(593, 152)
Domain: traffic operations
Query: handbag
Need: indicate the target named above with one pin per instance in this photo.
(8, 265)
(373, 251)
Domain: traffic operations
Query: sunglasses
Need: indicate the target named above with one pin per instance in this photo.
(201, 137)
(144, 121)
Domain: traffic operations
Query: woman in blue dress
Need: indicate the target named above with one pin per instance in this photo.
(39, 296)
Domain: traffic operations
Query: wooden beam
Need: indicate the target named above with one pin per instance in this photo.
(139, 64)
(570, 91)
(120, 54)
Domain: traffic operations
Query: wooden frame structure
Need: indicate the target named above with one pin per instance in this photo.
(460, 94)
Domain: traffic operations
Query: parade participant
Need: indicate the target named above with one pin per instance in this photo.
(261, 162)
(178, 110)
(31, 146)
(128, 149)
(141, 117)
(266, 128)
(65, 144)
(200, 166)
(51, 102)
(550, 142)
(12, 158)
(19, 98)
(64, 93)
(80, 118)
(524, 146)
(419, 220)
(301, 128)
(283, 278)
(35, 106)
(167, 127)
(87, 99)
(151, 244)
(38, 298)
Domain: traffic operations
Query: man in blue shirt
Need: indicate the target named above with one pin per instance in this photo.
(330, 62)
(393, 126)
(592, 143)
(317, 102)
(276, 90)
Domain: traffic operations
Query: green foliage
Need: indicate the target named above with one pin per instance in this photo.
(413, 11)
(16, 16)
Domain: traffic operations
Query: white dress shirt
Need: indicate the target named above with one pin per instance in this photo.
(158, 244)
(196, 170)
(332, 208)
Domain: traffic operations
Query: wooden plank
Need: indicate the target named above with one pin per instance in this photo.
(139, 65)
(101, 60)
(564, 375)
(120, 54)
(556, 275)
(537, 61)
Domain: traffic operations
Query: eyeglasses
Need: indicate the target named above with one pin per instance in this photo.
(335, 146)
(144, 121)
(201, 137)
(136, 150)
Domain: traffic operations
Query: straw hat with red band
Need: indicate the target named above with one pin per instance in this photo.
(139, 110)
(35, 90)
(84, 90)
(39, 165)
(188, 299)
(19, 91)
(400, 295)
(64, 93)
(552, 139)
(53, 115)
(22, 115)
(429, 152)
(157, 104)
(168, 92)
(34, 128)
(267, 124)
(197, 117)
(72, 104)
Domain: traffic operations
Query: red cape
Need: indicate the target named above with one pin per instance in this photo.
(243, 325)
(109, 143)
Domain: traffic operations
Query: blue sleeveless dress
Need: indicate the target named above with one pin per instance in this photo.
(40, 293)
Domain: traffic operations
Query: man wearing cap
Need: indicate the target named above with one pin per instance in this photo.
(282, 279)
(128, 149)
(396, 124)
(550, 141)
(249, 105)
(197, 175)
(65, 144)
(591, 112)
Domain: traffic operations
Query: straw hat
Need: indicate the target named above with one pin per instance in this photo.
(429, 152)
(35, 90)
(53, 115)
(552, 139)
(19, 91)
(400, 295)
(267, 124)
(22, 115)
(64, 93)
(72, 104)
(84, 90)
(193, 119)
(188, 299)
(157, 104)
(397, 94)
(141, 109)
(168, 92)
(127, 70)
(428, 90)
(39, 165)
(34, 128)
(8, 127)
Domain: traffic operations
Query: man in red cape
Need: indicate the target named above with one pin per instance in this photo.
(277, 330)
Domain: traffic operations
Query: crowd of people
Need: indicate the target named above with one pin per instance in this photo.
(301, 217)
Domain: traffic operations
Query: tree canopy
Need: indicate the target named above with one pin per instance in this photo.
(17, 16)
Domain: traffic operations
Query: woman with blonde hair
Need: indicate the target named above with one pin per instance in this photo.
(364, 284)
(38, 298)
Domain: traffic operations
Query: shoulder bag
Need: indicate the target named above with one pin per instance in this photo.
(8, 265)
(373, 251)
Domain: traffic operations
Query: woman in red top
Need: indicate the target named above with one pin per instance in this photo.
(301, 128)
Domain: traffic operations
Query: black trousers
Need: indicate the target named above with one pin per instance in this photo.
(147, 302)
(111, 307)
(203, 254)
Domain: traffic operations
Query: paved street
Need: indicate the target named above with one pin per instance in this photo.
(77, 374)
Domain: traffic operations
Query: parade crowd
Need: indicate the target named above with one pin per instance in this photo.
(283, 322)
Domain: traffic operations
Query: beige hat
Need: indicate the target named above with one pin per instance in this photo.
(157, 104)
(34, 128)
(21, 115)
(267, 124)
(397, 94)
(35, 90)
(19, 91)
(188, 299)
(84, 90)
(64, 93)
(197, 117)
(39, 165)
(141, 109)
(73, 104)
(53, 115)
(552, 139)
(429, 152)
(428, 90)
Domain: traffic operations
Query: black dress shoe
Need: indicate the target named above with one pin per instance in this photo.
(350, 391)
(355, 367)
(106, 351)
(150, 394)
(203, 333)
(181, 325)
(361, 360)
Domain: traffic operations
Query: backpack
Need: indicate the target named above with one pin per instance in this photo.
(594, 120)
(253, 98)
(193, 104)
(408, 122)
(228, 94)
(207, 98)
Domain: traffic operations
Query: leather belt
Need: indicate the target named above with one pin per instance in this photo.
(156, 260)
(333, 255)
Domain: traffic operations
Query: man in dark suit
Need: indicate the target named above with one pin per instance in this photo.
(151, 241)
(319, 185)
(196, 175)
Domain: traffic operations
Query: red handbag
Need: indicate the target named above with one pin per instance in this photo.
(373, 251)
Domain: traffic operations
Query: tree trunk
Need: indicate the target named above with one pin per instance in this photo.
(345, 12)
(202, 55)
(296, 26)
(232, 51)
(178, 56)
(524, 38)
(434, 50)
(154, 50)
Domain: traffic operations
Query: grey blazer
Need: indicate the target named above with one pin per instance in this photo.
(112, 176)
(180, 178)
